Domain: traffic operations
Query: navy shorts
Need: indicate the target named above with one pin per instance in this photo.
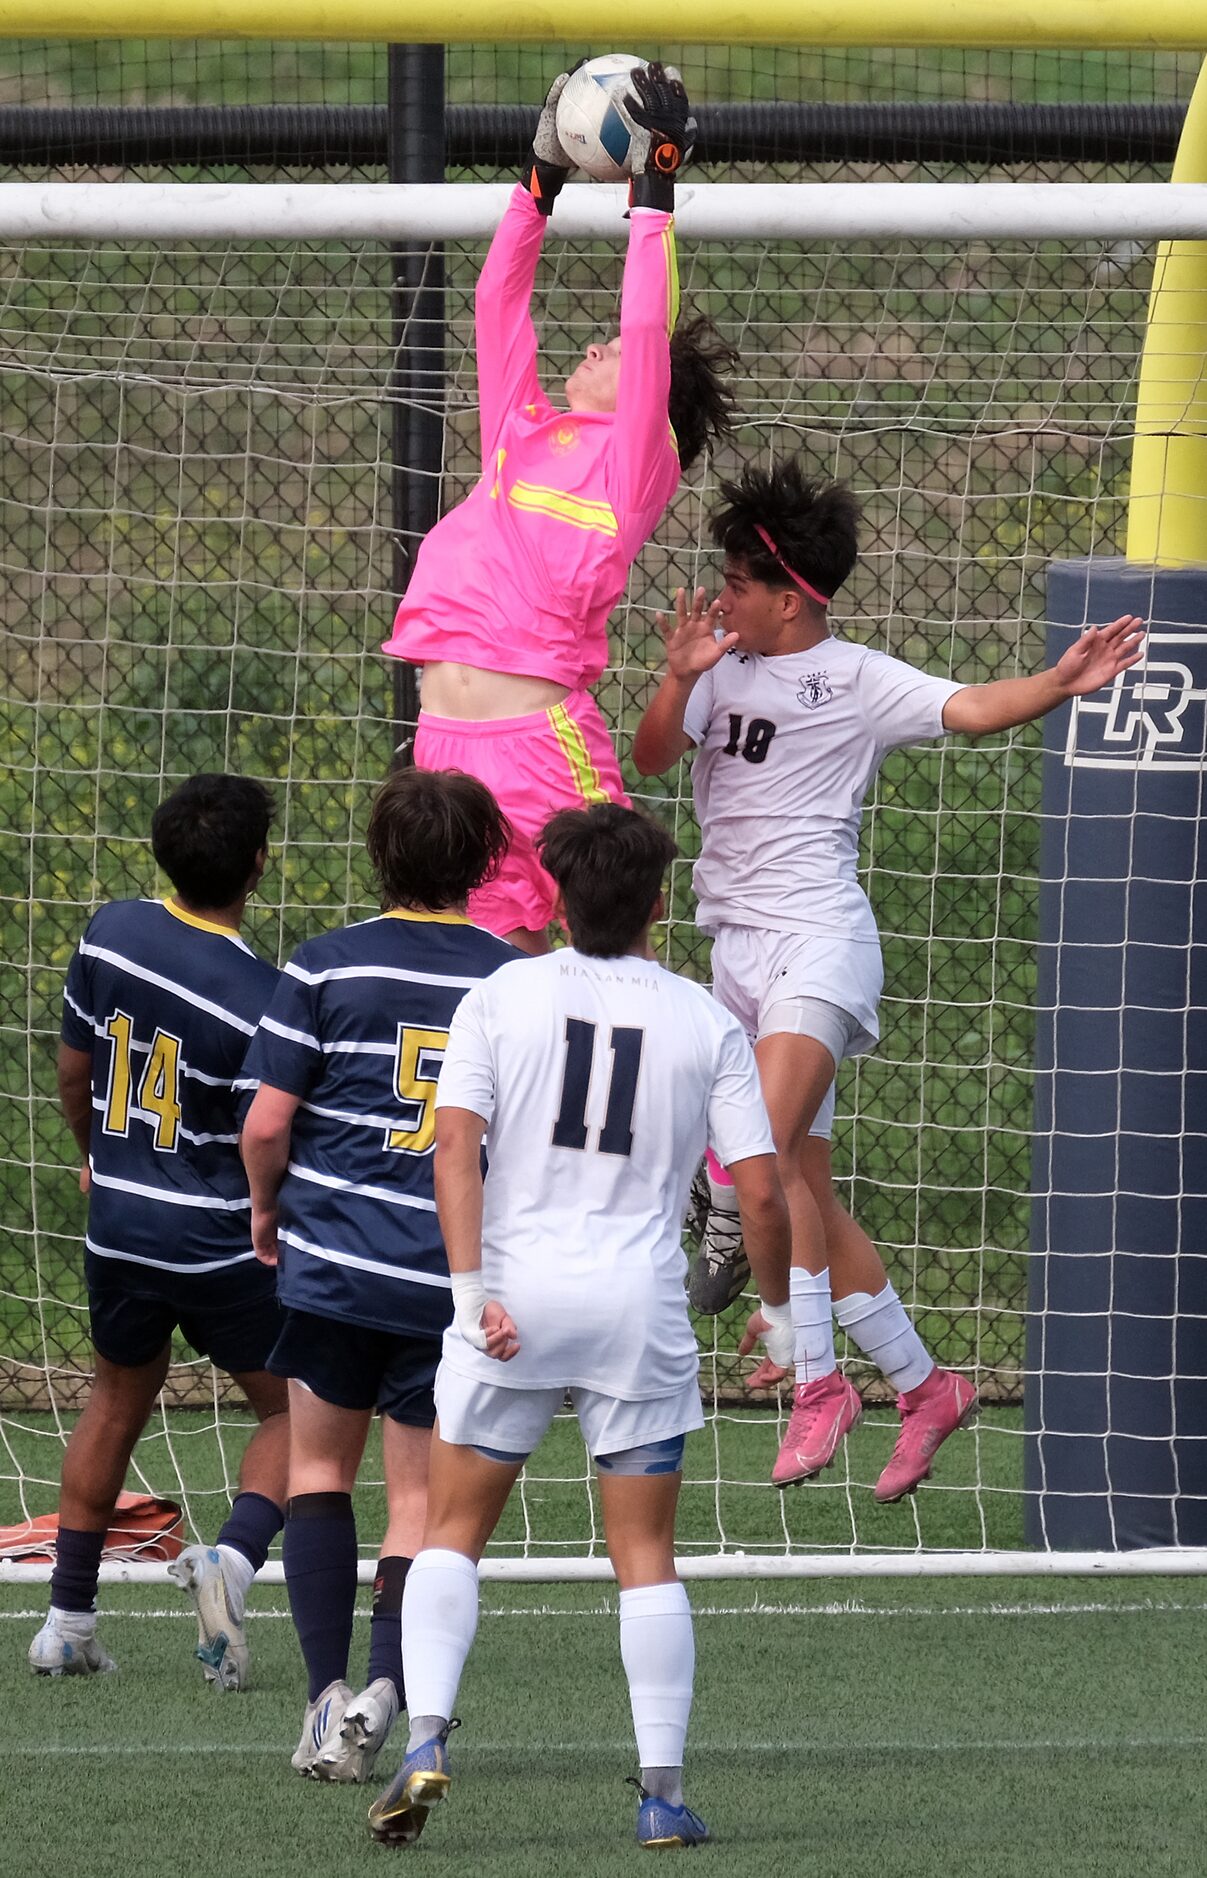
(355, 1368)
(233, 1318)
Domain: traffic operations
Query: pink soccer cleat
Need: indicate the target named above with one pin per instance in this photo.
(823, 1413)
(929, 1413)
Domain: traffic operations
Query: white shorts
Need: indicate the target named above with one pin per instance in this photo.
(764, 978)
(472, 1414)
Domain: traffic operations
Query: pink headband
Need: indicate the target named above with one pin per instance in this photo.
(821, 598)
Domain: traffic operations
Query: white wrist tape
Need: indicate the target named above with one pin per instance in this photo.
(469, 1302)
(779, 1338)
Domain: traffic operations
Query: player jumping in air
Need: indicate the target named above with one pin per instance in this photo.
(595, 1077)
(161, 998)
(338, 1146)
(790, 725)
(507, 608)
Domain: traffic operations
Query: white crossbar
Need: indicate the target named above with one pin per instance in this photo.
(707, 211)
(1164, 1562)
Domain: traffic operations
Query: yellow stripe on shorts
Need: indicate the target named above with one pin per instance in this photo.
(573, 746)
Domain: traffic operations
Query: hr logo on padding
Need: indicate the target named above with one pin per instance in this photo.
(1152, 717)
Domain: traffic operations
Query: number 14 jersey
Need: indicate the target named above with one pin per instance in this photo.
(600, 1080)
(787, 750)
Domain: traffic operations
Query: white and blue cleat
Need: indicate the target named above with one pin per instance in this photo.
(364, 1728)
(320, 1728)
(67, 1645)
(398, 1816)
(221, 1643)
(662, 1827)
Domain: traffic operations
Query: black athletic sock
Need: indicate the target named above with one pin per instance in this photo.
(77, 1565)
(320, 1573)
(385, 1628)
(252, 1525)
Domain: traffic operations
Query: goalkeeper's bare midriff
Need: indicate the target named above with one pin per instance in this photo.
(462, 691)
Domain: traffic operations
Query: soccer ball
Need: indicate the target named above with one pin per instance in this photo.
(592, 124)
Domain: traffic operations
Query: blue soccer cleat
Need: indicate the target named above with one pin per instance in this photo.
(662, 1827)
(398, 1816)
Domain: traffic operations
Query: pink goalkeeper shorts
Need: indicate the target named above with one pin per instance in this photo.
(534, 765)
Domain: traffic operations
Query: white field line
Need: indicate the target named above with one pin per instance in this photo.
(850, 1608)
(811, 1749)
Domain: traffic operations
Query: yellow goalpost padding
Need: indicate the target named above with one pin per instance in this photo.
(1089, 24)
(1167, 514)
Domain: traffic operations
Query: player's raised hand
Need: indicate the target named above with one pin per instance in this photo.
(547, 166)
(1101, 653)
(692, 646)
(547, 146)
(502, 1338)
(666, 131)
(766, 1374)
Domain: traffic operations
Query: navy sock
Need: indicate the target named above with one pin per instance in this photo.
(77, 1564)
(320, 1573)
(251, 1526)
(385, 1627)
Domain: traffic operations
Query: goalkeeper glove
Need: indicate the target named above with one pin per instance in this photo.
(664, 137)
(547, 165)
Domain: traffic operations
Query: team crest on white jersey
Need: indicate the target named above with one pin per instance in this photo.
(814, 689)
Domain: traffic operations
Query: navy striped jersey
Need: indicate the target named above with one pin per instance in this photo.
(165, 1004)
(357, 1029)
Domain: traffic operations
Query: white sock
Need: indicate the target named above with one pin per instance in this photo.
(882, 1328)
(439, 1619)
(809, 1296)
(659, 1656)
(238, 1571)
(79, 1623)
(723, 1196)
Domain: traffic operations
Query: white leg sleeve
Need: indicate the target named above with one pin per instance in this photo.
(882, 1328)
(439, 1618)
(813, 1322)
(658, 1651)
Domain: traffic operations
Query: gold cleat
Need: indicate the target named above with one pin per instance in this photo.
(398, 1816)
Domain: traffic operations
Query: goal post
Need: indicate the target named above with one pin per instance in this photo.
(196, 522)
(787, 212)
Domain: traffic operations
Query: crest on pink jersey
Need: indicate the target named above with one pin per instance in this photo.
(564, 438)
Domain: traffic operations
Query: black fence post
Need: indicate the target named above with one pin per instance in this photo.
(416, 155)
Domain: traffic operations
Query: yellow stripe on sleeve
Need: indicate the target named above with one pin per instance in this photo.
(671, 256)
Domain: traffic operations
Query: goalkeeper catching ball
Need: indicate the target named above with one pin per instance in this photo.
(507, 607)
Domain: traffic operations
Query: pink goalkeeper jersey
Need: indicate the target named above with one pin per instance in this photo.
(522, 575)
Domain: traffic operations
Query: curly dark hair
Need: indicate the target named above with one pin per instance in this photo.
(701, 403)
(813, 523)
(433, 835)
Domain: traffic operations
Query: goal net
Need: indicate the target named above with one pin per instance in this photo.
(195, 509)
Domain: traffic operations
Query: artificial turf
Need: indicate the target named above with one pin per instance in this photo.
(1010, 1728)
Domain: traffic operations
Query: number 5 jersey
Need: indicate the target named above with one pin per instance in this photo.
(357, 1031)
(600, 1080)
